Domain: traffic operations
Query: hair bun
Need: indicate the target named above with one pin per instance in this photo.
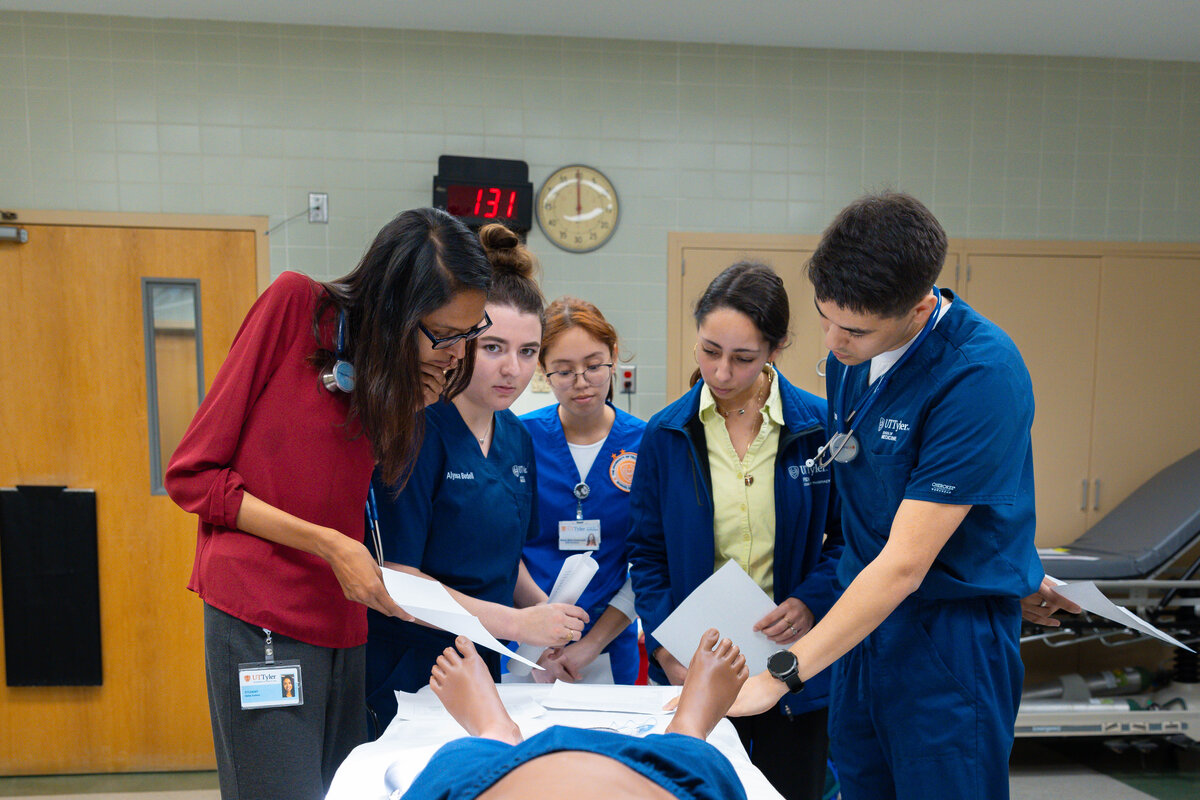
(505, 251)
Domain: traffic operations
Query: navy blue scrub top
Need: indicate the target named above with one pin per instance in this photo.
(953, 427)
(461, 518)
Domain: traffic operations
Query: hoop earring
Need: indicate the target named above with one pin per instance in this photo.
(695, 356)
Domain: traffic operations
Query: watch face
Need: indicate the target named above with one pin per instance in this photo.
(781, 663)
(577, 208)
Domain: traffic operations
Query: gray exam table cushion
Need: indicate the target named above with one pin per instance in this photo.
(1142, 535)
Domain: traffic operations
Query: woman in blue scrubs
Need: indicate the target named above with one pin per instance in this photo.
(468, 505)
(586, 450)
(723, 478)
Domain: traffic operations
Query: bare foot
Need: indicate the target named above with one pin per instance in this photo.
(713, 680)
(464, 685)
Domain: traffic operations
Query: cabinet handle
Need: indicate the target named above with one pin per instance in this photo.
(821, 368)
(1096, 497)
(1083, 500)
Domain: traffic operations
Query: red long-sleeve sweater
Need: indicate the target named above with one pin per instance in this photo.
(268, 427)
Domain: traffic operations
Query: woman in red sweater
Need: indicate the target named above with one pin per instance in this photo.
(276, 464)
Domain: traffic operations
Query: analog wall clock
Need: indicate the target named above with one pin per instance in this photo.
(577, 208)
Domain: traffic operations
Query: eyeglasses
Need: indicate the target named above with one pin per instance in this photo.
(442, 342)
(595, 375)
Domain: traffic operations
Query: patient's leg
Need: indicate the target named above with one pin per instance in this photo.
(713, 680)
(464, 685)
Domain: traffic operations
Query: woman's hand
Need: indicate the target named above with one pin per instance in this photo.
(1040, 606)
(570, 661)
(360, 577)
(433, 381)
(555, 669)
(790, 620)
(676, 671)
(758, 694)
(550, 624)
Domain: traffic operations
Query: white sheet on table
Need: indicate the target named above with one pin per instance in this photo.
(409, 744)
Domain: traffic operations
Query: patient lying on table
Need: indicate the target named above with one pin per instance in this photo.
(495, 764)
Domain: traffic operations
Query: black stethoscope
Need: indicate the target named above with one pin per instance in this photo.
(842, 446)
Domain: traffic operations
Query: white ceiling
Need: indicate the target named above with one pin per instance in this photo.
(1150, 29)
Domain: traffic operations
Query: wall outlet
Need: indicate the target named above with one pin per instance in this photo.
(626, 378)
(318, 207)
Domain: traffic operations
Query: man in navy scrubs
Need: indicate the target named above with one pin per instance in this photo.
(930, 407)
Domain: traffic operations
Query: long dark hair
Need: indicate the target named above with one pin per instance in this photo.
(753, 289)
(415, 265)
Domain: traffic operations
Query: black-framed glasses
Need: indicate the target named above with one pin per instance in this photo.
(594, 374)
(442, 342)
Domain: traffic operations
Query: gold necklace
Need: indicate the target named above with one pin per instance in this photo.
(760, 396)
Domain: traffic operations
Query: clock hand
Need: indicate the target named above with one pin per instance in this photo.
(578, 201)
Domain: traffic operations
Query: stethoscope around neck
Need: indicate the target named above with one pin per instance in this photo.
(842, 446)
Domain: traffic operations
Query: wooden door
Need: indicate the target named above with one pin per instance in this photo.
(73, 412)
(1148, 372)
(698, 258)
(1048, 305)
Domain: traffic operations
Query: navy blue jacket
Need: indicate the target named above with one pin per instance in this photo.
(671, 542)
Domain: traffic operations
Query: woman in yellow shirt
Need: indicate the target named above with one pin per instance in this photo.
(722, 476)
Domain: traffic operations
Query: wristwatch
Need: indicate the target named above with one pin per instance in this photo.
(783, 666)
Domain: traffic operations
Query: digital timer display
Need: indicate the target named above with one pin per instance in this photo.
(492, 203)
(483, 190)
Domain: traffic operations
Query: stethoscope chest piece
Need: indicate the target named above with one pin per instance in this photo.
(844, 447)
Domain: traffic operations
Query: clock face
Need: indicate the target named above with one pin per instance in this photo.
(577, 208)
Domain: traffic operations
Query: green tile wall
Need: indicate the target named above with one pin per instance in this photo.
(130, 114)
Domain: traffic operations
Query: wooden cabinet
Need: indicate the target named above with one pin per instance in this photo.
(1110, 336)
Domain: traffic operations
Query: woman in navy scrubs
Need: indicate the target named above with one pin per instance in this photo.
(468, 506)
(586, 449)
(724, 478)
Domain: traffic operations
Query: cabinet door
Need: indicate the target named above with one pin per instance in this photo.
(1048, 305)
(1147, 372)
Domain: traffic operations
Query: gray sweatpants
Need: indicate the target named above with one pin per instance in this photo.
(288, 753)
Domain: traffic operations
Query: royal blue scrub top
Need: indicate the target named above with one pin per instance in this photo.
(462, 519)
(951, 426)
(609, 480)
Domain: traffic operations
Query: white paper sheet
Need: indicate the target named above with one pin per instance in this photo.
(594, 697)
(425, 705)
(1093, 600)
(575, 574)
(730, 601)
(429, 602)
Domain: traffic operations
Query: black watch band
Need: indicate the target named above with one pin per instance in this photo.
(783, 666)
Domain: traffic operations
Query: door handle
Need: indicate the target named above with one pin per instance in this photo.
(1083, 500)
(1096, 497)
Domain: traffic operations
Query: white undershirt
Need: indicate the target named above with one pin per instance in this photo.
(884, 361)
(585, 456)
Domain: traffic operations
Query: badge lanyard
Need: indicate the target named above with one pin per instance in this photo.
(579, 533)
(842, 446)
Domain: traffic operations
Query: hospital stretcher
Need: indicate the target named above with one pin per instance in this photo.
(375, 770)
(1144, 555)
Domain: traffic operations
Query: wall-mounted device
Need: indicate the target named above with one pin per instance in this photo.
(483, 190)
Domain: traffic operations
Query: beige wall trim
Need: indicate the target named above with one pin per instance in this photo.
(123, 219)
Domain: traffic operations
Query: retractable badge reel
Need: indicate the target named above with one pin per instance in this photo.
(270, 683)
(579, 533)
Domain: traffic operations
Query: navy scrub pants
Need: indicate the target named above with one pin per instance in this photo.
(925, 706)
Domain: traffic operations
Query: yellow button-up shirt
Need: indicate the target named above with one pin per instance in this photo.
(744, 490)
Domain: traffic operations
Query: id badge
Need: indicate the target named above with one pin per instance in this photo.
(271, 685)
(579, 534)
